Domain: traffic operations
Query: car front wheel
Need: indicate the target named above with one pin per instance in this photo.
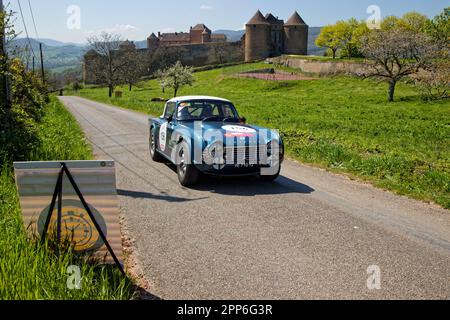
(153, 152)
(188, 174)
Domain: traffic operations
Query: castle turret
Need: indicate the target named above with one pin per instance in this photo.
(206, 36)
(296, 35)
(257, 38)
(152, 41)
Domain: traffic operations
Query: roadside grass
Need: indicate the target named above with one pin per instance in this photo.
(340, 123)
(33, 271)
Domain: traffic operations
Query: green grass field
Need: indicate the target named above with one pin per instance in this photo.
(341, 123)
(31, 270)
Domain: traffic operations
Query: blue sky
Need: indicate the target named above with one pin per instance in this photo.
(136, 19)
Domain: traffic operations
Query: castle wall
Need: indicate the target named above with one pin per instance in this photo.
(210, 53)
(325, 68)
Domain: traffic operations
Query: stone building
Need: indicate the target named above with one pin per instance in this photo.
(199, 34)
(268, 36)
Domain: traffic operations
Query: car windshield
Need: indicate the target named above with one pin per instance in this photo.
(207, 110)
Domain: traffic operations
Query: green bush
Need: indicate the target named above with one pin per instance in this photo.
(30, 270)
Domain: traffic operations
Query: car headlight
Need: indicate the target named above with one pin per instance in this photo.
(214, 153)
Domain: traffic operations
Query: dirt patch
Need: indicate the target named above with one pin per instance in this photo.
(273, 75)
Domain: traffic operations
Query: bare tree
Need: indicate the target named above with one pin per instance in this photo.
(396, 54)
(134, 67)
(109, 63)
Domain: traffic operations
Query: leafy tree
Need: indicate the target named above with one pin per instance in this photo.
(414, 21)
(176, 77)
(76, 86)
(396, 54)
(390, 23)
(439, 27)
(352, 32)
(344, 36)
(330, 38)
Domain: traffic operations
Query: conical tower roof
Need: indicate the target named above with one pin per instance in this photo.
(258, 18)
(295, 20)
(153, 36)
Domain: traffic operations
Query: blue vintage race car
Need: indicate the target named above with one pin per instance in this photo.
(201, 134)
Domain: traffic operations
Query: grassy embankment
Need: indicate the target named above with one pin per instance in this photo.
(340, 123)
(31, 270)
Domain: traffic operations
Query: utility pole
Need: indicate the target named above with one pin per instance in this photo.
(42, 63)
(6, 90)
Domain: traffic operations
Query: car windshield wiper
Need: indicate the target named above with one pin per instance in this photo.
(211, 118)
(230, 119)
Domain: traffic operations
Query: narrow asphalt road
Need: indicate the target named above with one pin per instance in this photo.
(309, 235)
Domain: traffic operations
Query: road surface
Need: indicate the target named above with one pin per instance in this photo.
(309, 235)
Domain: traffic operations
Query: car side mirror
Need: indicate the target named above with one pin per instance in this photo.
(243, 120)
(169, 118)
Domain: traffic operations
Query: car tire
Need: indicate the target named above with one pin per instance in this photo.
(154, 154)
(188, 174)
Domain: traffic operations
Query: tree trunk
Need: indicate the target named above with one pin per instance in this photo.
(110, 93)
(334, 54)
(175, 92)
(131, 86)
(391, 93)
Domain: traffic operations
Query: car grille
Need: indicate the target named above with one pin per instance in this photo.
(245, 155)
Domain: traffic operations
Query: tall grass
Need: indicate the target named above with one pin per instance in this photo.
(342, 123)
(30, 270)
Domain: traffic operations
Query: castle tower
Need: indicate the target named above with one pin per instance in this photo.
(152, 41)
(296, 35)
(257, 38)
(206, 36)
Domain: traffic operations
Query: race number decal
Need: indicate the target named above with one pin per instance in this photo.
(163, 137)
(238, 131)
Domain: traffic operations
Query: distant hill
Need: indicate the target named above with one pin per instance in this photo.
(232, 35)
(58, 56)
(314, 50)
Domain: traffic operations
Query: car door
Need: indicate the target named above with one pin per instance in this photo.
(167, 127)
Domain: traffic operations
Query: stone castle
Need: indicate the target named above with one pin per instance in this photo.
(268, 36)
(265, 36)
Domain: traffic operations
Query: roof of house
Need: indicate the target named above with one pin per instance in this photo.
(201, 27)
(258, 18)
(153, 36)
(272, 19)
(295, 20)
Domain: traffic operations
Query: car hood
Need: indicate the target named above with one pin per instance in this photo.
(230, 130)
